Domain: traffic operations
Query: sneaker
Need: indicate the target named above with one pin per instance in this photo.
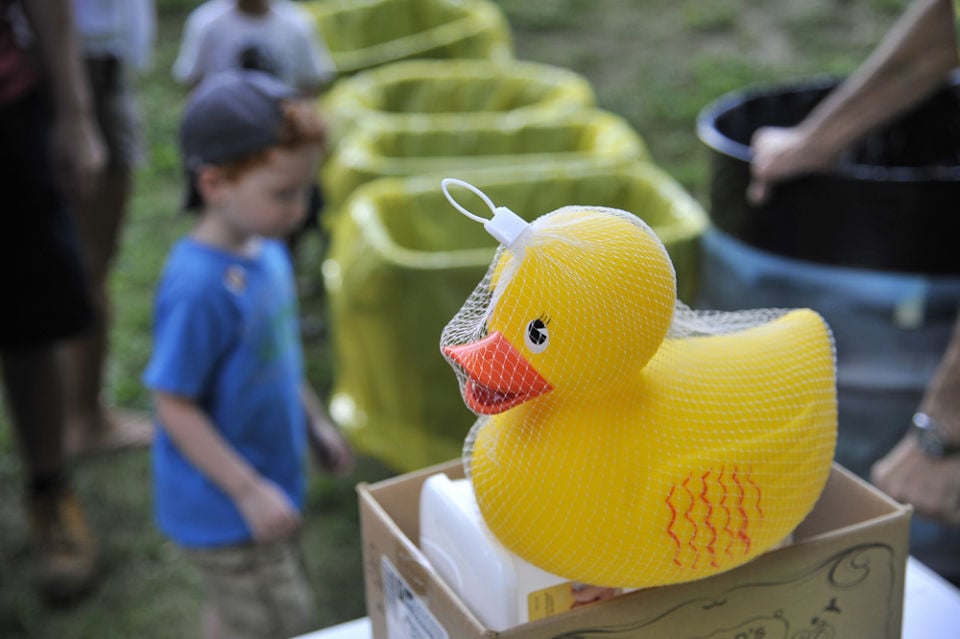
(65, 548)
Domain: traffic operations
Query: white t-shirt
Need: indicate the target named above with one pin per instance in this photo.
(284, 42)
(121, 28)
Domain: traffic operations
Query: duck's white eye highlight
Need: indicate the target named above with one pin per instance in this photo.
(536, 336)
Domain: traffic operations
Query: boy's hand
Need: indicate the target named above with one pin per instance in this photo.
(330, 450)
(269, 513)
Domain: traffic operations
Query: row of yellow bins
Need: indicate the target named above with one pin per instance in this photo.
(363, 34)
(401, 260)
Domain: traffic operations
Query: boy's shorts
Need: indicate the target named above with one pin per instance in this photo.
(259, 591)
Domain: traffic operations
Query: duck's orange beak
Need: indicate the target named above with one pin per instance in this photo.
(499, 377)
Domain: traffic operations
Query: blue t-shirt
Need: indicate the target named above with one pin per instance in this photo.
(226, 337)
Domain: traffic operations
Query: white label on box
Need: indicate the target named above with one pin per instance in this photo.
(407, 615)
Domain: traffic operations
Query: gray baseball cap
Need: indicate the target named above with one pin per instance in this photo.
(229, 116)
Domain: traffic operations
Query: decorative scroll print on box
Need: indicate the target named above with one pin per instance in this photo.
(837, 598)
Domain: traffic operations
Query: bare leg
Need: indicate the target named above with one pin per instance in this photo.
(66, 550)
(33, 389)
(91, 427)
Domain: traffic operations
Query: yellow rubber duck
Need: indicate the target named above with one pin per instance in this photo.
(625, 440)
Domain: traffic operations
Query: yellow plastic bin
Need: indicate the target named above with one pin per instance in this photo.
(362, 34)
(424, 94)
(394, 149)
(401, 263)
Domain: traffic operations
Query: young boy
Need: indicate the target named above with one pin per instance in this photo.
(278, 37)
(234, 414)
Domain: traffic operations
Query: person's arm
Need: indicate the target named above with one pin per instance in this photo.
(315, 69)
(906, 473)
(78, 151)
(187, 71)
(266, 509)
(931, 486)
(911, 61)
(331, 449)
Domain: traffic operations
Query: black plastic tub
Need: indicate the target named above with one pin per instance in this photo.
(892, 203)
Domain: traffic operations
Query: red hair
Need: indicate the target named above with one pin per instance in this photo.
(302, 125)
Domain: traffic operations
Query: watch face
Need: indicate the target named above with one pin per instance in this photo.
(929, 442)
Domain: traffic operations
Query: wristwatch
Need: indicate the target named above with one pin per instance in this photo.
(930, 438)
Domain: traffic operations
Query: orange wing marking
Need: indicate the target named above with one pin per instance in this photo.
(696, 529)
(757, 488)
(744, 521)
(699, 541)
(673, 519)
(706, 520)
(726, 524)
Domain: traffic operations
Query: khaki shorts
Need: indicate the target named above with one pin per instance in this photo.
(258, 591)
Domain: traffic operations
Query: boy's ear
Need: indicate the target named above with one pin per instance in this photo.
(210, 181)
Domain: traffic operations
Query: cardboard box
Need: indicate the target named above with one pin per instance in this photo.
(842, 577)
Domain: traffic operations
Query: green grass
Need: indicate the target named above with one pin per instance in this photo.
(657, 63)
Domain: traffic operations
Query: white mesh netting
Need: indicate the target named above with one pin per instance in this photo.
(624, 439)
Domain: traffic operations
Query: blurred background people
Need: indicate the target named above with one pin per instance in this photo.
(50, 153)
(274, 36)
(116, 36)
(910, 63)
(914, 59)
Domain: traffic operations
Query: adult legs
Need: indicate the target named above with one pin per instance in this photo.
(32, 381)
(48, 300)
(91, 427)
(65, 547)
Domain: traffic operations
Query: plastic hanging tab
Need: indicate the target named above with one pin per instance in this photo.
(505, 225)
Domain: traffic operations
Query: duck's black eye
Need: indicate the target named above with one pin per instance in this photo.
(537, 336)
